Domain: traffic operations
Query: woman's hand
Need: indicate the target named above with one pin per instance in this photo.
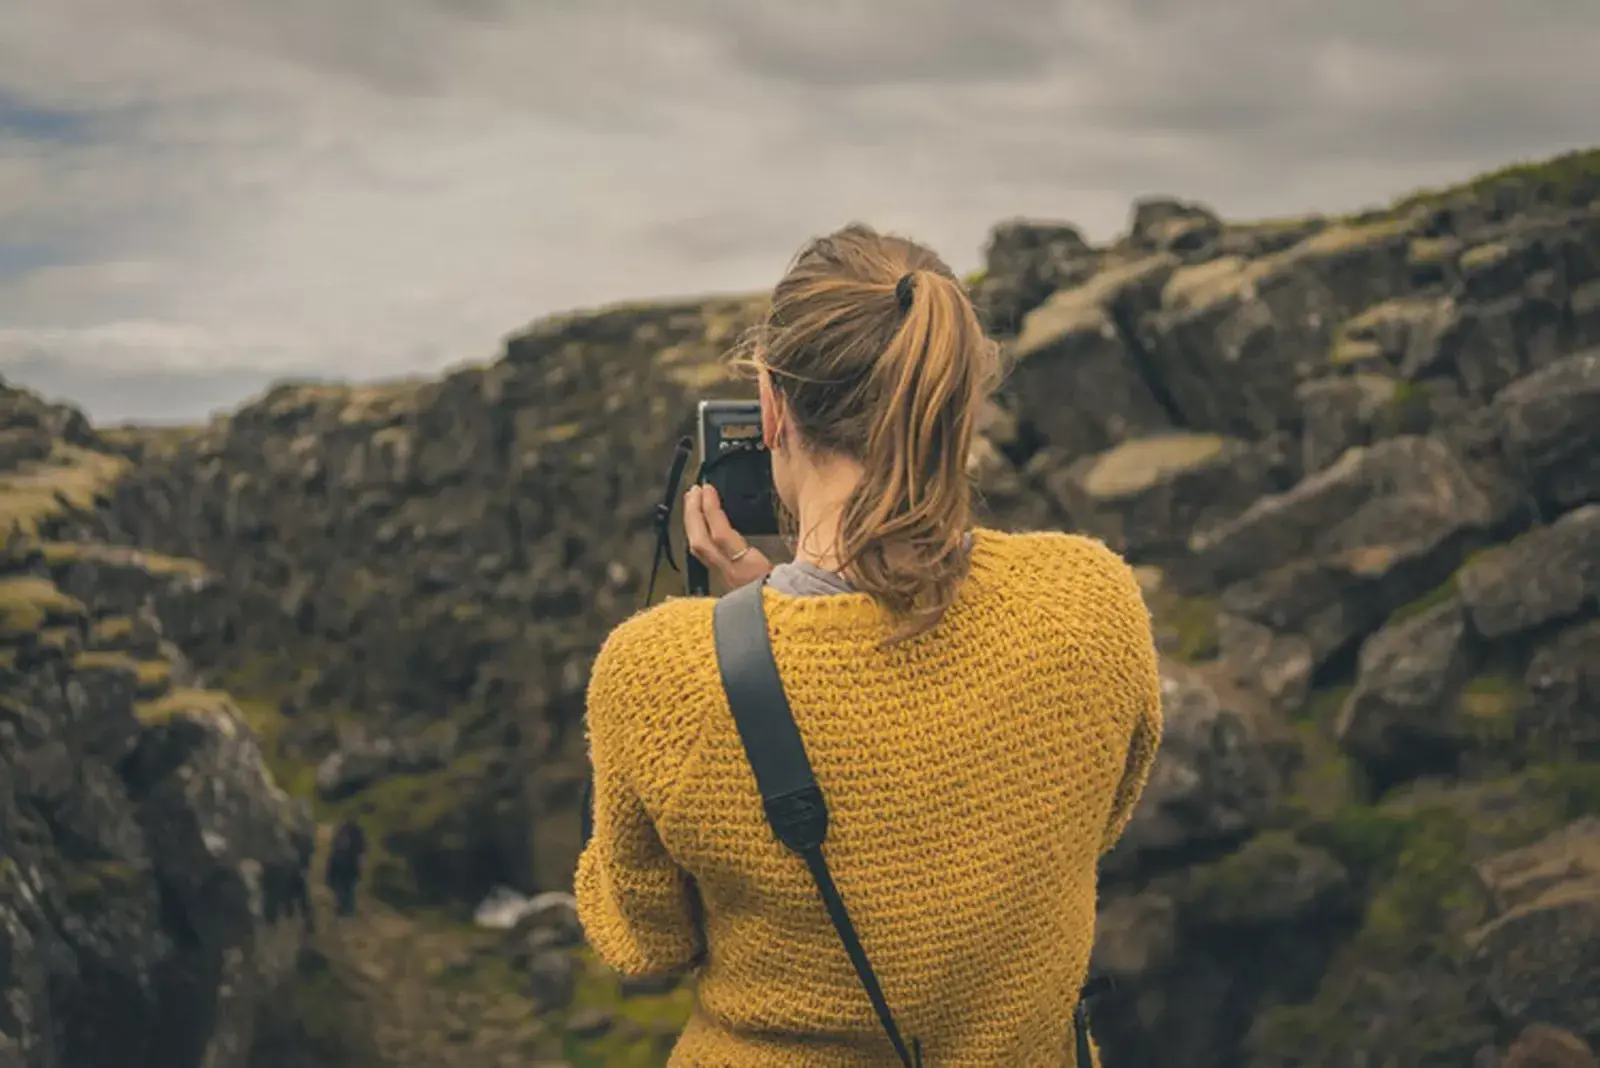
(715, 543)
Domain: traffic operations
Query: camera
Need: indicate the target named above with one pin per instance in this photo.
(735, 460)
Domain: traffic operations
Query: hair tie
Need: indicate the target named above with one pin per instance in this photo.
(904, 291)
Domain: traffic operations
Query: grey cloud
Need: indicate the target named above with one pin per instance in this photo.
(845, 43)
(385, 186)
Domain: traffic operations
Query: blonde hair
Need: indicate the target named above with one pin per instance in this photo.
(880, 357)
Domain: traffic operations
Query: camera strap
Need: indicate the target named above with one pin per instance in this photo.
(789, 793)
(793, 801)
(663, 516)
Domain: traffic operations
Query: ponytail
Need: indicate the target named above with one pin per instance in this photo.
(880, 357)
(902, 531)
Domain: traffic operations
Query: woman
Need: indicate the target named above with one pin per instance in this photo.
(981, 710)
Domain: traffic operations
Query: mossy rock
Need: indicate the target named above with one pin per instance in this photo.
(1186, 627)
(1490, 707)
(1139, 464)
(72, 481)
(191, 703)
(1435, 597)
(28, 604)
(91, 885)
(1482, 256)
(646, 1023)
(1273, 878)
(1562, 177)
(430, 831)
(60, 554)
(1326, 781)
(1396, 990)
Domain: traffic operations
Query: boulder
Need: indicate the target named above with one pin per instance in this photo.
(1190, 231)
(1563, 682)
(1079, 380)
(1407, 676)
(1343, 412)
(1540, 954)
(1543, 1046)
(1025, 261)
(1146, 496)
(1548, 574)
(1234, 338)
(1272, 880)
(1550, 423)
(1215, 779)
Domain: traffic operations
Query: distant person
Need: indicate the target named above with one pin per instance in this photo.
(344, 865)
(981, 710)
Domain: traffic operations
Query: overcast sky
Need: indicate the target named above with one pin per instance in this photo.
(199, 195)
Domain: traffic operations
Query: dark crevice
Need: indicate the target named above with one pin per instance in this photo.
(1123, 318)
(1024, 445)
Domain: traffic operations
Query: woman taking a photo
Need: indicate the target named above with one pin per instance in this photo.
(980, 709)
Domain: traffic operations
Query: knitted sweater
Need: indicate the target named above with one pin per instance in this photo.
(974, 776)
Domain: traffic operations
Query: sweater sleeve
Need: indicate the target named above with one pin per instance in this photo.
(637, 906)
(1136, 676)
(1142, 747)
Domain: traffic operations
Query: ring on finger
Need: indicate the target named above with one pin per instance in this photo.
(736, 557)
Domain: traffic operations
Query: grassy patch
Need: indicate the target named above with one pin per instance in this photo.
(635, 1042)
(1194, 621)
(1415, 853)
(65, 553)
(1560, 176)
(71, 481)
(187, 702)
(1435, 597)
(27, 604)
(90, 885)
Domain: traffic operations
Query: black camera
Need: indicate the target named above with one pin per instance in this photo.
(735, 460)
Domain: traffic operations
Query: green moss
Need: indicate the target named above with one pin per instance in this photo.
(1481, 256)
(91, 885)
(625, 1046)
(1435, 597)
(152, 678)
(320, 1018)
(65, 553)
(976, 278)
(1560, 176)
(73, 480)
(185, 702)
(102, 661)
(426, 818)
(1416, 852)
(28, 603)
(1431, 251)
(1346, 351)
(1194, 621)
(1574, 784)
(1322, 707)
(1490, 706)
(111, 629)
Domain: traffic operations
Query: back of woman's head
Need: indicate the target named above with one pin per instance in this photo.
(879, 357)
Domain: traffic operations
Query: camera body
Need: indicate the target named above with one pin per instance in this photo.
(735, 460)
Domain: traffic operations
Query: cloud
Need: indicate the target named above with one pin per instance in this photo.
(213, 192)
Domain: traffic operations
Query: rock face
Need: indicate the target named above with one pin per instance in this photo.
(145, 852)
(1356, 461)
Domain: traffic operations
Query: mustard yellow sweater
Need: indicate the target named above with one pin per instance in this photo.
(974, 777)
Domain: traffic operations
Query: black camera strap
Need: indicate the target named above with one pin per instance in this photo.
(663, 516)
(789, 792)
(793, 801)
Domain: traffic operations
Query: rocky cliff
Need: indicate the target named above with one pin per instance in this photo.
(1357, 460)
(145, 851)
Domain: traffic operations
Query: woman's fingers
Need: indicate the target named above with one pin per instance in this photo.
(729, 542)
(713, 541)
(697, 532)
